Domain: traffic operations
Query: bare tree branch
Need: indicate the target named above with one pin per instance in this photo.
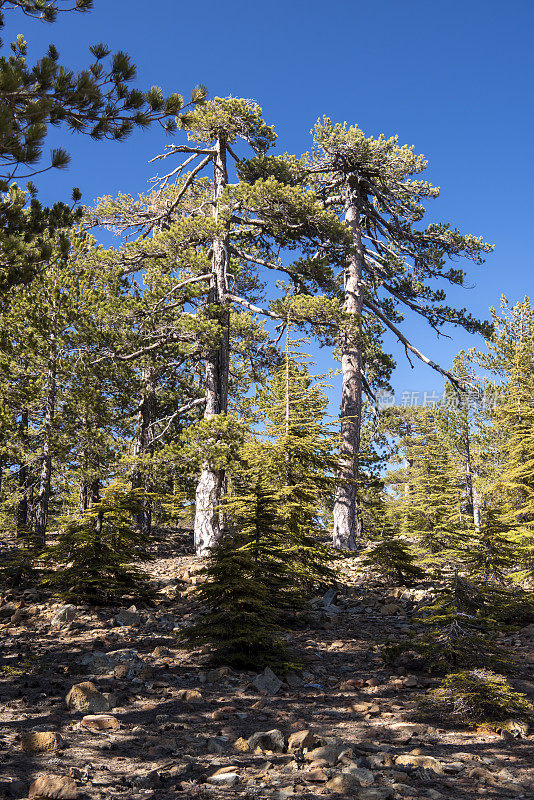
(409, 346)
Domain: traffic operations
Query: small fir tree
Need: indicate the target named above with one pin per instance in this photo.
(303, 465)
(461, 633)
(392, 558)
(479, 695)
(96, 552)
(249, 573)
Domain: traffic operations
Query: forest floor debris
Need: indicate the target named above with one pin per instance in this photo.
(168, 726)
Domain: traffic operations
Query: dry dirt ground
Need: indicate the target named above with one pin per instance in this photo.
(177, 722)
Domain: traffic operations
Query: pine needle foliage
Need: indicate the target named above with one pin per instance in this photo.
(302, 464)
(240, 619)
(432, 514)
(517, 476)
(492, 555)
(249, 574)
(475, 696)
(273, 558)
(392, 558)
(461, 633)
(19, 564)
(96, 552)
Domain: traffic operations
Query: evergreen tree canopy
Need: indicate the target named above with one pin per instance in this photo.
(34, 96)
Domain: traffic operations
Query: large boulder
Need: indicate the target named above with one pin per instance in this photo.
(87, 698)
(56, 787)
(63, 616)
(40, 741)
(273, 741)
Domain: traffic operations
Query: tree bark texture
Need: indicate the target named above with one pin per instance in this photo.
(144, 446)
(43, 498)
(210, 487)
(472, 494)
(24, 474)
(346, 522)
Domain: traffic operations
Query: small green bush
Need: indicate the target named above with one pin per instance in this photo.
(475, 696)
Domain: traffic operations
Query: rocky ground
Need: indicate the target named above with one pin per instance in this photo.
(103, 703)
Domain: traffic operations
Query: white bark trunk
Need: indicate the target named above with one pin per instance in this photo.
(43, 499)
(210, 487)
(144, 445)
(346, 523)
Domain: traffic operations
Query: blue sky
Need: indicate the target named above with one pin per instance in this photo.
(454, 79)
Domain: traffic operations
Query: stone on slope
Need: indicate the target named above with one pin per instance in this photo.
(224, 779)
(86, 697)
(301, 740)
(344, 784)
(190, 696)
(100, 722)
(128, 617)
(364, 776)
(63, 616)
(40, 741)
(327, 754)
(56, 787)
(268, 740)
(267, 682)
(426, 762)
(125, 662)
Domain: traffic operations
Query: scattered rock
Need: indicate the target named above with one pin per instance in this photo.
(293, 680)
(86, 697)
(123, 663)
(161, 652)
(224, 779)
(242, 745)
(344, 784)
(190, 696)
(327, 754)
(216, 675)
(267, 682)
(390, 608)
(128, 617)
(147, 780)
(377, 794)
(273, 741)
(364, 776)
(217, 744)
(301, 740)
(57, 787)
(40, 741)
(100, 722)
(316, 776)
(63, 615)
(328, 598)
(427, 762)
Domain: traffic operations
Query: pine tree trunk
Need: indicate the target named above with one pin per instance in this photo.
(347, 526)
(43, 498)
(22, 505)
(472, 494)
(83, 495)
(144, 446)
(83, 503)
(210, 487)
